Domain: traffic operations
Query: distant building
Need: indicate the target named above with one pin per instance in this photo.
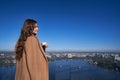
(49, 56)
(117, 58)
(81, 55)
(2, 54)
(57, 55)
(69, 55)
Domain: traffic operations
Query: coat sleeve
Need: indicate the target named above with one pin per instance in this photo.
(32, 58)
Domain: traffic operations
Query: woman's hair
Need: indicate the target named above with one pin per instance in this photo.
(26, 31)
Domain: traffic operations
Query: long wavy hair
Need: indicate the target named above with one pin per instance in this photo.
(26, 31)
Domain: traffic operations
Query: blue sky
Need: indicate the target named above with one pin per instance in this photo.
(80, 25)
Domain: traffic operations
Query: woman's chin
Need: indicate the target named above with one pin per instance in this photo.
(34, 33)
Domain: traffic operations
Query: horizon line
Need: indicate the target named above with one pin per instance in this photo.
(70, 51)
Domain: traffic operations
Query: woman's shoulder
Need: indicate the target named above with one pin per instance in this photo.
(31, 38)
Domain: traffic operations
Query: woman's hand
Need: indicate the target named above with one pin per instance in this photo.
(45, 44)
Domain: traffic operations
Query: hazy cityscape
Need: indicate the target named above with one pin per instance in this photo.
(70, 65)
(110, 60)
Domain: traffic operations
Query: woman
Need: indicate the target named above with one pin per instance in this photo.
(31, 62)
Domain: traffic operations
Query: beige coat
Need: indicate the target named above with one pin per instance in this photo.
(33, 64)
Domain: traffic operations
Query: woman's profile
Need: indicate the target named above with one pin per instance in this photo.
(31, 62)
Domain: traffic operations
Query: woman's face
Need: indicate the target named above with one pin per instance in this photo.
(35, 30)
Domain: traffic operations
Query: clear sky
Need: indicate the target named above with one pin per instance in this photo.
(81, 25)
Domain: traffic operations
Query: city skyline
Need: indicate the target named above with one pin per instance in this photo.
(71, 25)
